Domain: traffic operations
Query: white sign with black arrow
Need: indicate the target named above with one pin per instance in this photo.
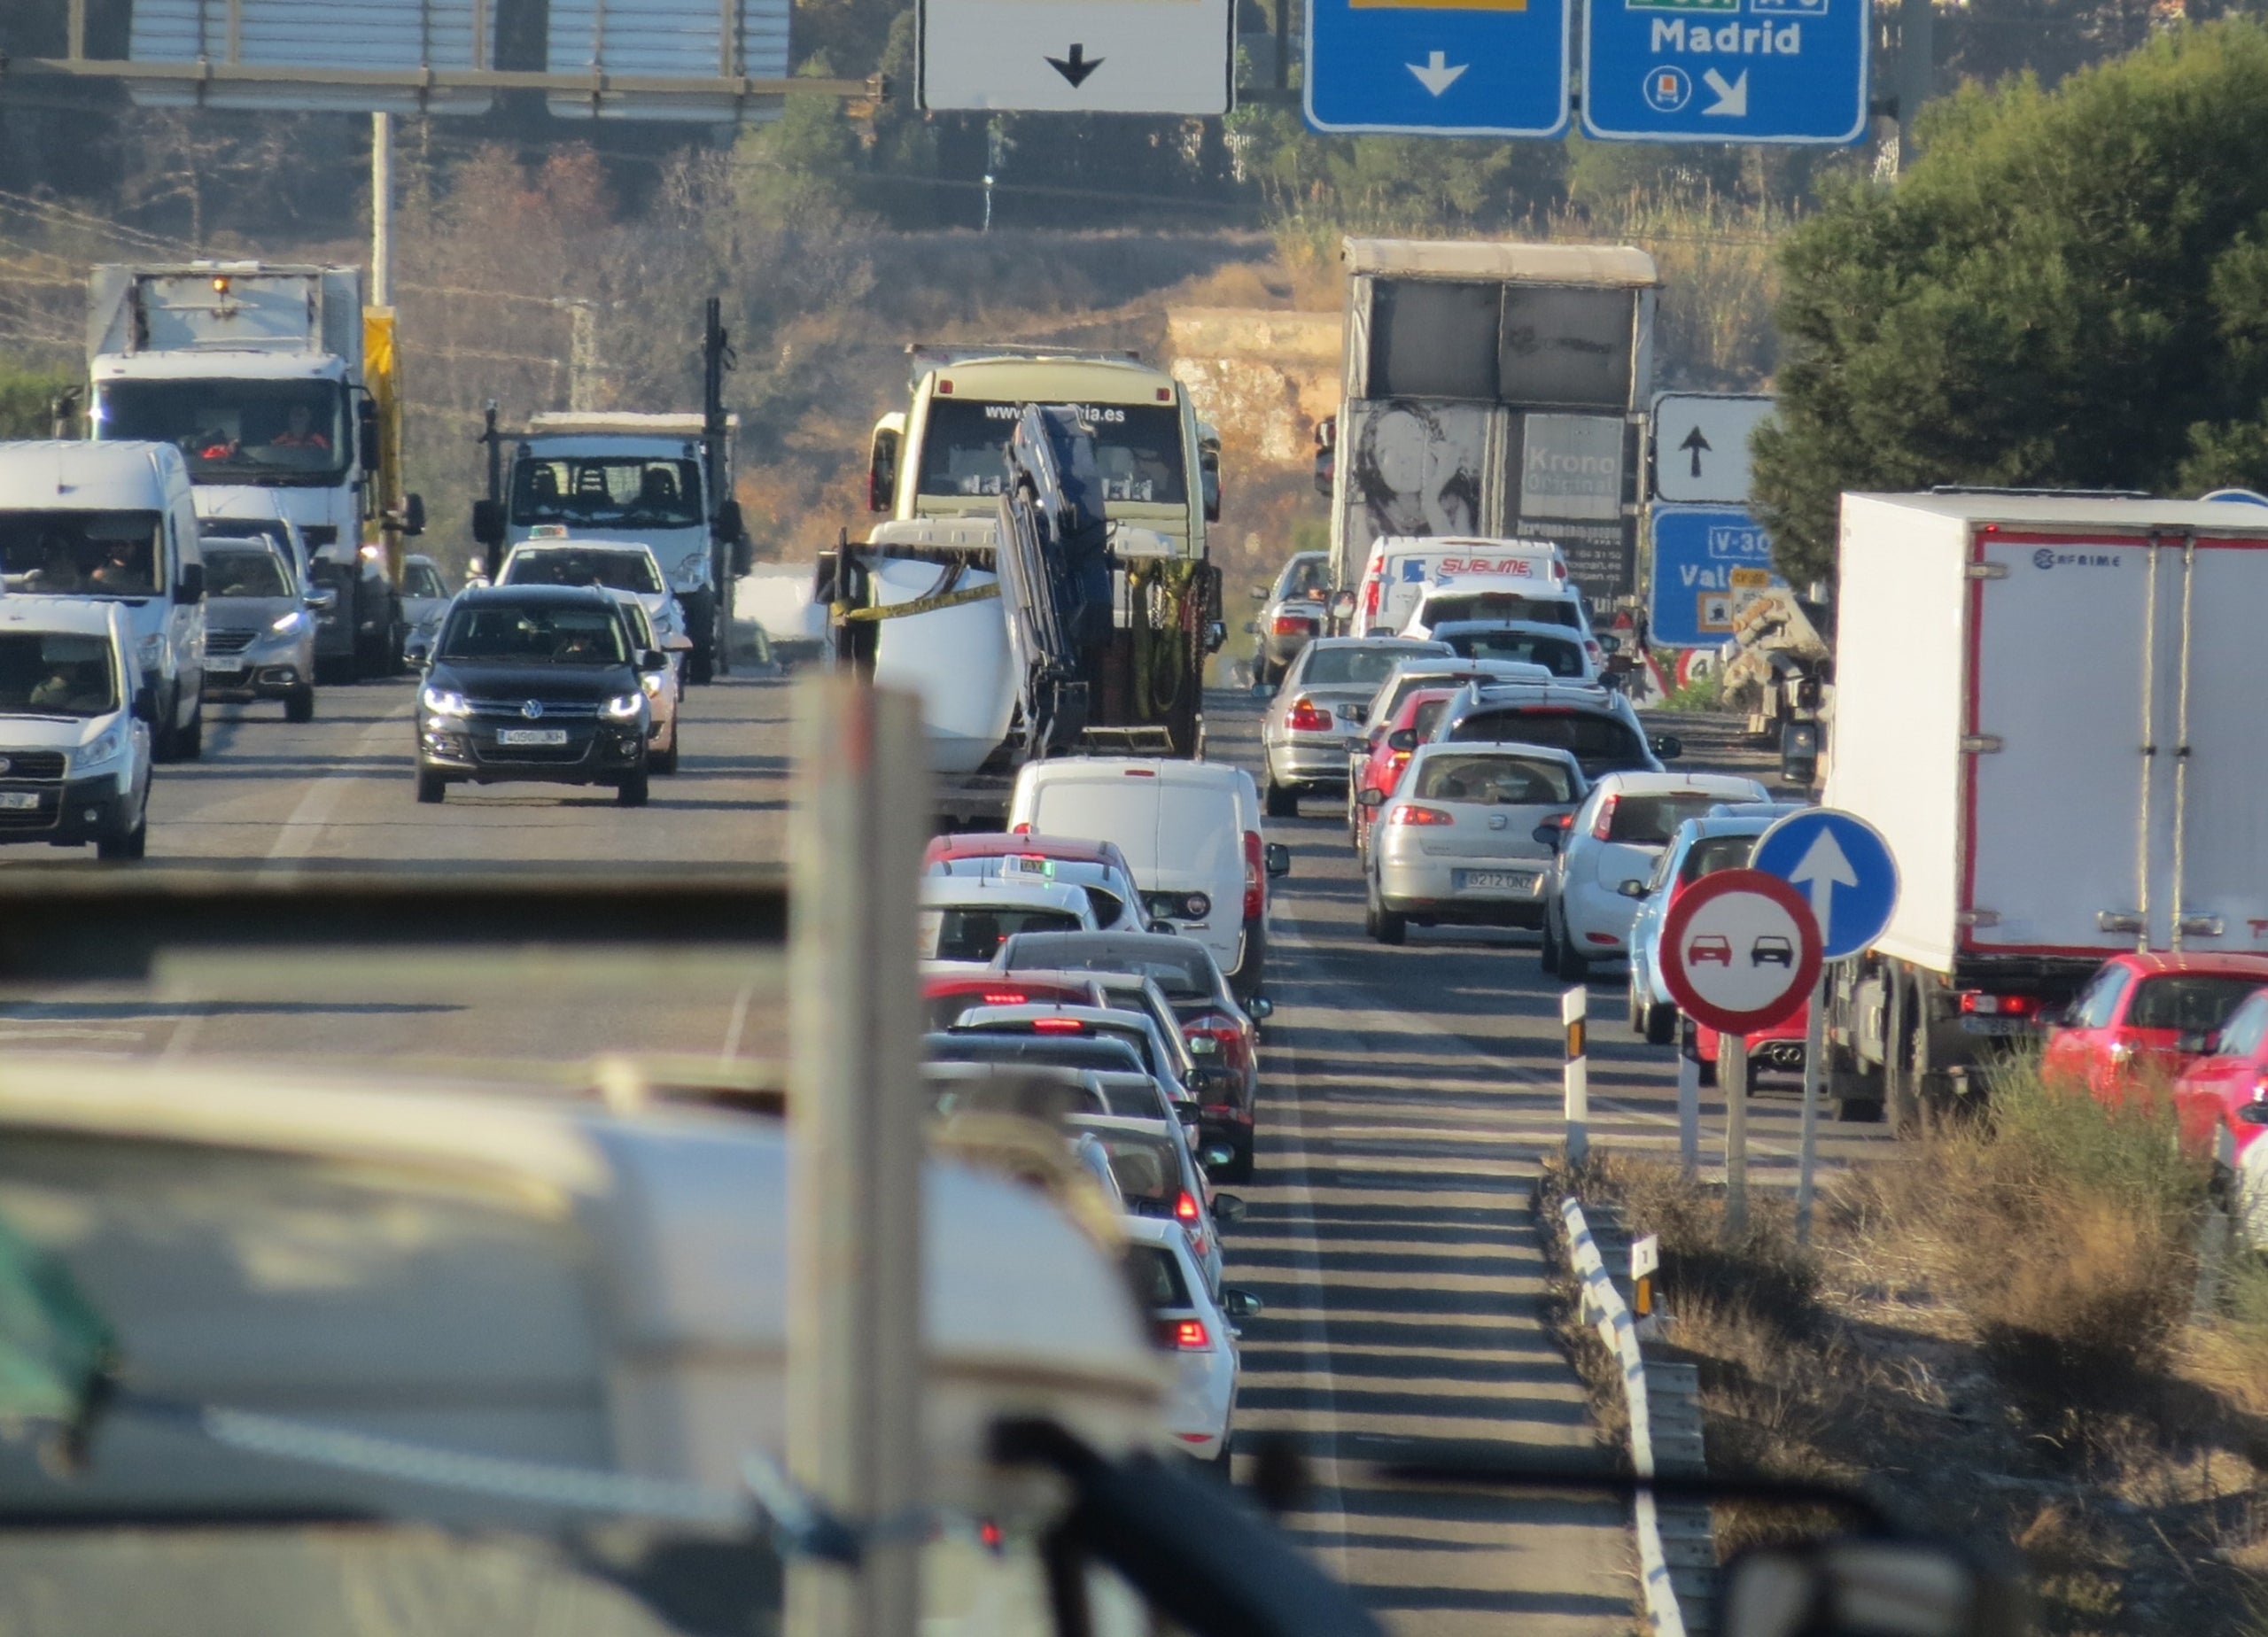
(1076, 56)
(1701, 443)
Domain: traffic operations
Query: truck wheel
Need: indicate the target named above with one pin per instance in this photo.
(1857, 1094)
(300, 704)
(1900, 1093)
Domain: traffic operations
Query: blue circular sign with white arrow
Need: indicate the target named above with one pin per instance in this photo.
(1842, 867)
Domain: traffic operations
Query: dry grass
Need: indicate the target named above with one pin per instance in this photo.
(1993, 1335)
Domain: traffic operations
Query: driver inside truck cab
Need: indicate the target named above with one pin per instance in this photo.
(298, 430)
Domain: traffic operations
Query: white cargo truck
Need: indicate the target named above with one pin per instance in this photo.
(2046, 704)
(281, 391)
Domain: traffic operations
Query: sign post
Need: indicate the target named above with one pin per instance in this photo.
(1740, 950)
(1849, 880)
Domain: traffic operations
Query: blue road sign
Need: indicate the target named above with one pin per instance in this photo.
(1439, 68)
(1840, 863)
(1706, 558)
(1784, 71)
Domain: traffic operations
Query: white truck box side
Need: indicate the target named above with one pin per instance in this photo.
(1900, 668)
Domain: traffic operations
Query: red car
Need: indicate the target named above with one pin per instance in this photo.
(1383, 771)
(1779, 1049)
(2223, 1098)
(2147, 1015)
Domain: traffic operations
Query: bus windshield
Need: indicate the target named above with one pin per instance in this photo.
(1138, 446)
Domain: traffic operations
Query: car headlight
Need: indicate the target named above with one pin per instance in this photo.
(287, 623)
(444, 702)
(695, 562)
(623, 707)
(105, 749)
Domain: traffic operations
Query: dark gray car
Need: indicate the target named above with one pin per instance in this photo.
(259, 626)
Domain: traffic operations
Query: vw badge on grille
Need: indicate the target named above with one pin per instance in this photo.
(532, 708)
(6, 765)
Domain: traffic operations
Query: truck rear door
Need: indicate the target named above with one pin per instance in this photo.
(2217, 819)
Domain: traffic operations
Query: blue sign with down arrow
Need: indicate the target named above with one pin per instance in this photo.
(1439, 68)
(1776, 71)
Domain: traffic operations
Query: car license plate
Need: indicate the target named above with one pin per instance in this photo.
(1973, 1024)
(530, 735)
(1495, 881)
(19, 801)
(224, 673)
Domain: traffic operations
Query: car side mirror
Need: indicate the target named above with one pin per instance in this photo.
(1632, 888)
(1549, 834)
(1855, 1585)
(1669, 747)
(653, 659)
(1277, 858)
(322, 599)
(1240, 1304)
(2253, 1113)
(1228, 1209)
(413, 515)
(1402, 739)
(1372, 796)
(1259, 1008)
(676, 642)
(726, 523)
(488, 521)
(192, 588)
(1188, 1114)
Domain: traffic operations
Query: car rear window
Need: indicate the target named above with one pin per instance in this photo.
(1494, 779)
(1048, 1051)
(2246, 1027)
(2194, 1003)
(1156, 1275)
(1558, 655)
(1146, 1168)
(1182, 976)
(1502, 605)
(1137, 1038)
(1354, 666)
(977, 933)
(1602, 743)
(1712, 853)
(1650, 820)
(1131, 1101)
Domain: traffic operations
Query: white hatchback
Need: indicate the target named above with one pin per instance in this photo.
(1196, 1334)
(617, 565)
(1612, 842)
(965, 920)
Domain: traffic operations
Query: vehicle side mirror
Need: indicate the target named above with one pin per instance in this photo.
(322, 599)
(1213, 1083)
(1372, 796)
(1858, 1586)
(192, 588)
(1402, 739)
(676, 642)
(488, 521)
(743, 554)
(1669, 747)
(1188, 1114)
(1550, 835)
(413, 515)
(726, 523)
(882, 470)
(1228, 1209)
(1259, 1008)
(2254, 1114)
(1240, 1304)
(653, 659)
(1632, 888)
(1209, 483)
(1277, 858)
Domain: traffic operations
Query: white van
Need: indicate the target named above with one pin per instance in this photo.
(1400, 566)
(75, 753)
(1190, 829)
(115, 522)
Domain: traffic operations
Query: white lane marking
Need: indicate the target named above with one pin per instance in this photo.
(69, 1031)
(741, 1004)
(304, 828)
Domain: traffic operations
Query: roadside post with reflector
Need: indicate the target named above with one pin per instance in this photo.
(1645, 1261)
(1573, 1015)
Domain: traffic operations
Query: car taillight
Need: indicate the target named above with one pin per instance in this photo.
(1005, 997)
(1289, 625)
(1183, 1335)
(1021, 829)
(1978, 1004)
(1603, 824)
(1058, 1026)
(1409, 812)
(1213, 1039)
(1255, 878)
(1185, 1206)
(1305, 718)
(1371, 596)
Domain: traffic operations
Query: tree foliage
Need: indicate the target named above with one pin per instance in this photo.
(27, 399)
(2070, 290)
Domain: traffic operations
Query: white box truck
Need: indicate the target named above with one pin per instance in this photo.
(2045, 703)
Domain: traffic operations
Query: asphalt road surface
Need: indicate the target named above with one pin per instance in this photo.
(1407, 1094)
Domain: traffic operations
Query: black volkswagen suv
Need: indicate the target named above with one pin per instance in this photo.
(533, 683)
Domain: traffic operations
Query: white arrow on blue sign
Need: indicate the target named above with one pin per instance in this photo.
(1776, 71)
(1843, 865)
(1439, 68)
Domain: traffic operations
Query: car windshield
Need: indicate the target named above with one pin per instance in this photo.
(1365, 666)
(1712, 853)
(2246, 1029)
(1181, 976)
(79, 554)
(1602, 743)
(1494, 779)
(55, 673)
(591, 491)
(510, 633)
(976, 932)
(2192, 1003)
(1650, 820)
(226, 429)
(1138, 448)
(421, 579)
(1155, 1274)
(232, 570)
(583, 565)
(1558, 655)
(1500, 605)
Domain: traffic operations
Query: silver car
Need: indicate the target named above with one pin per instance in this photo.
(1458, 839)
(1293, 612)
(1325, 692)
(259, 626)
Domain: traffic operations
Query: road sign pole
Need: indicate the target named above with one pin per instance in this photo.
(1688, 1109)
(1814, 1052)
(1573, 1015)
(1732, 1077)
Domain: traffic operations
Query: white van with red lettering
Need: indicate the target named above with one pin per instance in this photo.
(1401, 566)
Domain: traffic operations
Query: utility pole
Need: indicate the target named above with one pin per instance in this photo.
(855, 1119)
(382, 210)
